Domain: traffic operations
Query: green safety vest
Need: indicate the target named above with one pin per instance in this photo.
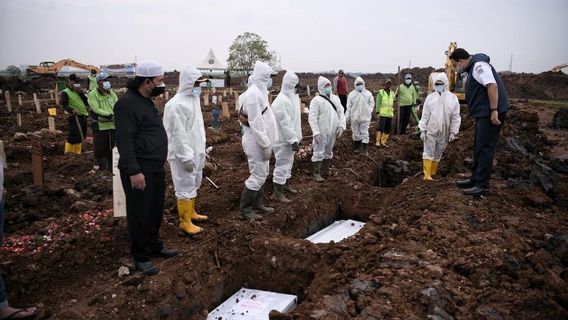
(92, 82)
(385, 103)
(103, 106)
(76, 102)
(406, 95)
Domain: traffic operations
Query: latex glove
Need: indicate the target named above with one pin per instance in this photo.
(452, 137)
(423, 135)
(295, 146)
(317, 139)
(339, 132)
(189, 165)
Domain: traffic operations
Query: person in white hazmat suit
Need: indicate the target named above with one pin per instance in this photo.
(286, 109)
(440, 124)
(184, 126)
(327, 122)
(259, 132)
(360, 105)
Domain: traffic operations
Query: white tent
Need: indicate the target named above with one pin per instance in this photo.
(211, 63)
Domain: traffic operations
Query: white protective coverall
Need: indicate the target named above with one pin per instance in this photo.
(440, 120)
(261, 132)
(286, 108)
(360, 107)
(184, 126)
(325, 120)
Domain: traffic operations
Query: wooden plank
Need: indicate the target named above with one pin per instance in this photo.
(118, 197)
(225, 106)
(51, 124)
(37, 162)
(8, 101)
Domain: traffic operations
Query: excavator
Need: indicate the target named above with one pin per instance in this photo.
(559, 67)
(456, 82)
(49, 68)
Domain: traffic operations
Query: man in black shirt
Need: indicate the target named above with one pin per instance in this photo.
(143, 146)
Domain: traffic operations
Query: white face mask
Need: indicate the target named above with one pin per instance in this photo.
(106, 85)
(359, 87)
(408, 81)
(77, 85)
(440, 88)
(196, 91)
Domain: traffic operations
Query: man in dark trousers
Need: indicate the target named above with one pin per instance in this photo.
(487, 104)
(340, 88)
(143, 146)
(74, 101)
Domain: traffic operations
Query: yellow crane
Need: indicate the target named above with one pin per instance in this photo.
(456, 82)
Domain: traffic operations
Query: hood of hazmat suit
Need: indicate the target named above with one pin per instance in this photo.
(360, 104)
(256, 107)
(183, 119)
(441, 112)
(286, 108)
(325, 118)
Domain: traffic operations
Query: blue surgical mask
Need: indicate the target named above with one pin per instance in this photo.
(196, 91)
(327, 91)
(106, 85)
(359, 87)
(269, 84)
(440, 88)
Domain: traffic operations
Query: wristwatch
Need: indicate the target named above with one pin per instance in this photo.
(493, 109)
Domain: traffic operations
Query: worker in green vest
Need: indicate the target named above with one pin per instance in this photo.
(74, 101)
(406, 101)
(101, 101)
(384, 108)
(92, 80)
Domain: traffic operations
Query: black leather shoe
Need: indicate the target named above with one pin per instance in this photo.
(147, 268)
(465, 184)
(166, 253)
(476, 191)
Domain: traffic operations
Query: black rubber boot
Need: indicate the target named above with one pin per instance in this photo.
(326, 163)
(258, 203)
(288, 188)
(279, 193)
(365, 149)
(245, 206)
(317, 172)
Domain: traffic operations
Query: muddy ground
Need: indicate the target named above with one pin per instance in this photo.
(426, 251)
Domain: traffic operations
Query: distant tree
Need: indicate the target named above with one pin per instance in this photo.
(246, 49)
(13, 71)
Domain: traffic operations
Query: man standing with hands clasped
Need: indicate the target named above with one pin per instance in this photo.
(487, 103)
(143, 147)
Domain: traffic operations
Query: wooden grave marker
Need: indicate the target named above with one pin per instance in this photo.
(118, 197)
(37, 163)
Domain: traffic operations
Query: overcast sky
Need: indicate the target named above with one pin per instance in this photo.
(356, 35)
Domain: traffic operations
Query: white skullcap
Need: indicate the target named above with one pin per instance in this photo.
(149, 68)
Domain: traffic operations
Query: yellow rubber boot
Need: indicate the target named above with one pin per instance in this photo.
(194, 215)
(77, 147)
(69, 148)
(427, 166)
(384, 140)
(434, 167)
(184, 212)
(378, 140)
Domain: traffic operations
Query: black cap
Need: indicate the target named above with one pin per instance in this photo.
(73, 77)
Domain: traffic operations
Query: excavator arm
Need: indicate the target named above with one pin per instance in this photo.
(48, 68)
(559, 67)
